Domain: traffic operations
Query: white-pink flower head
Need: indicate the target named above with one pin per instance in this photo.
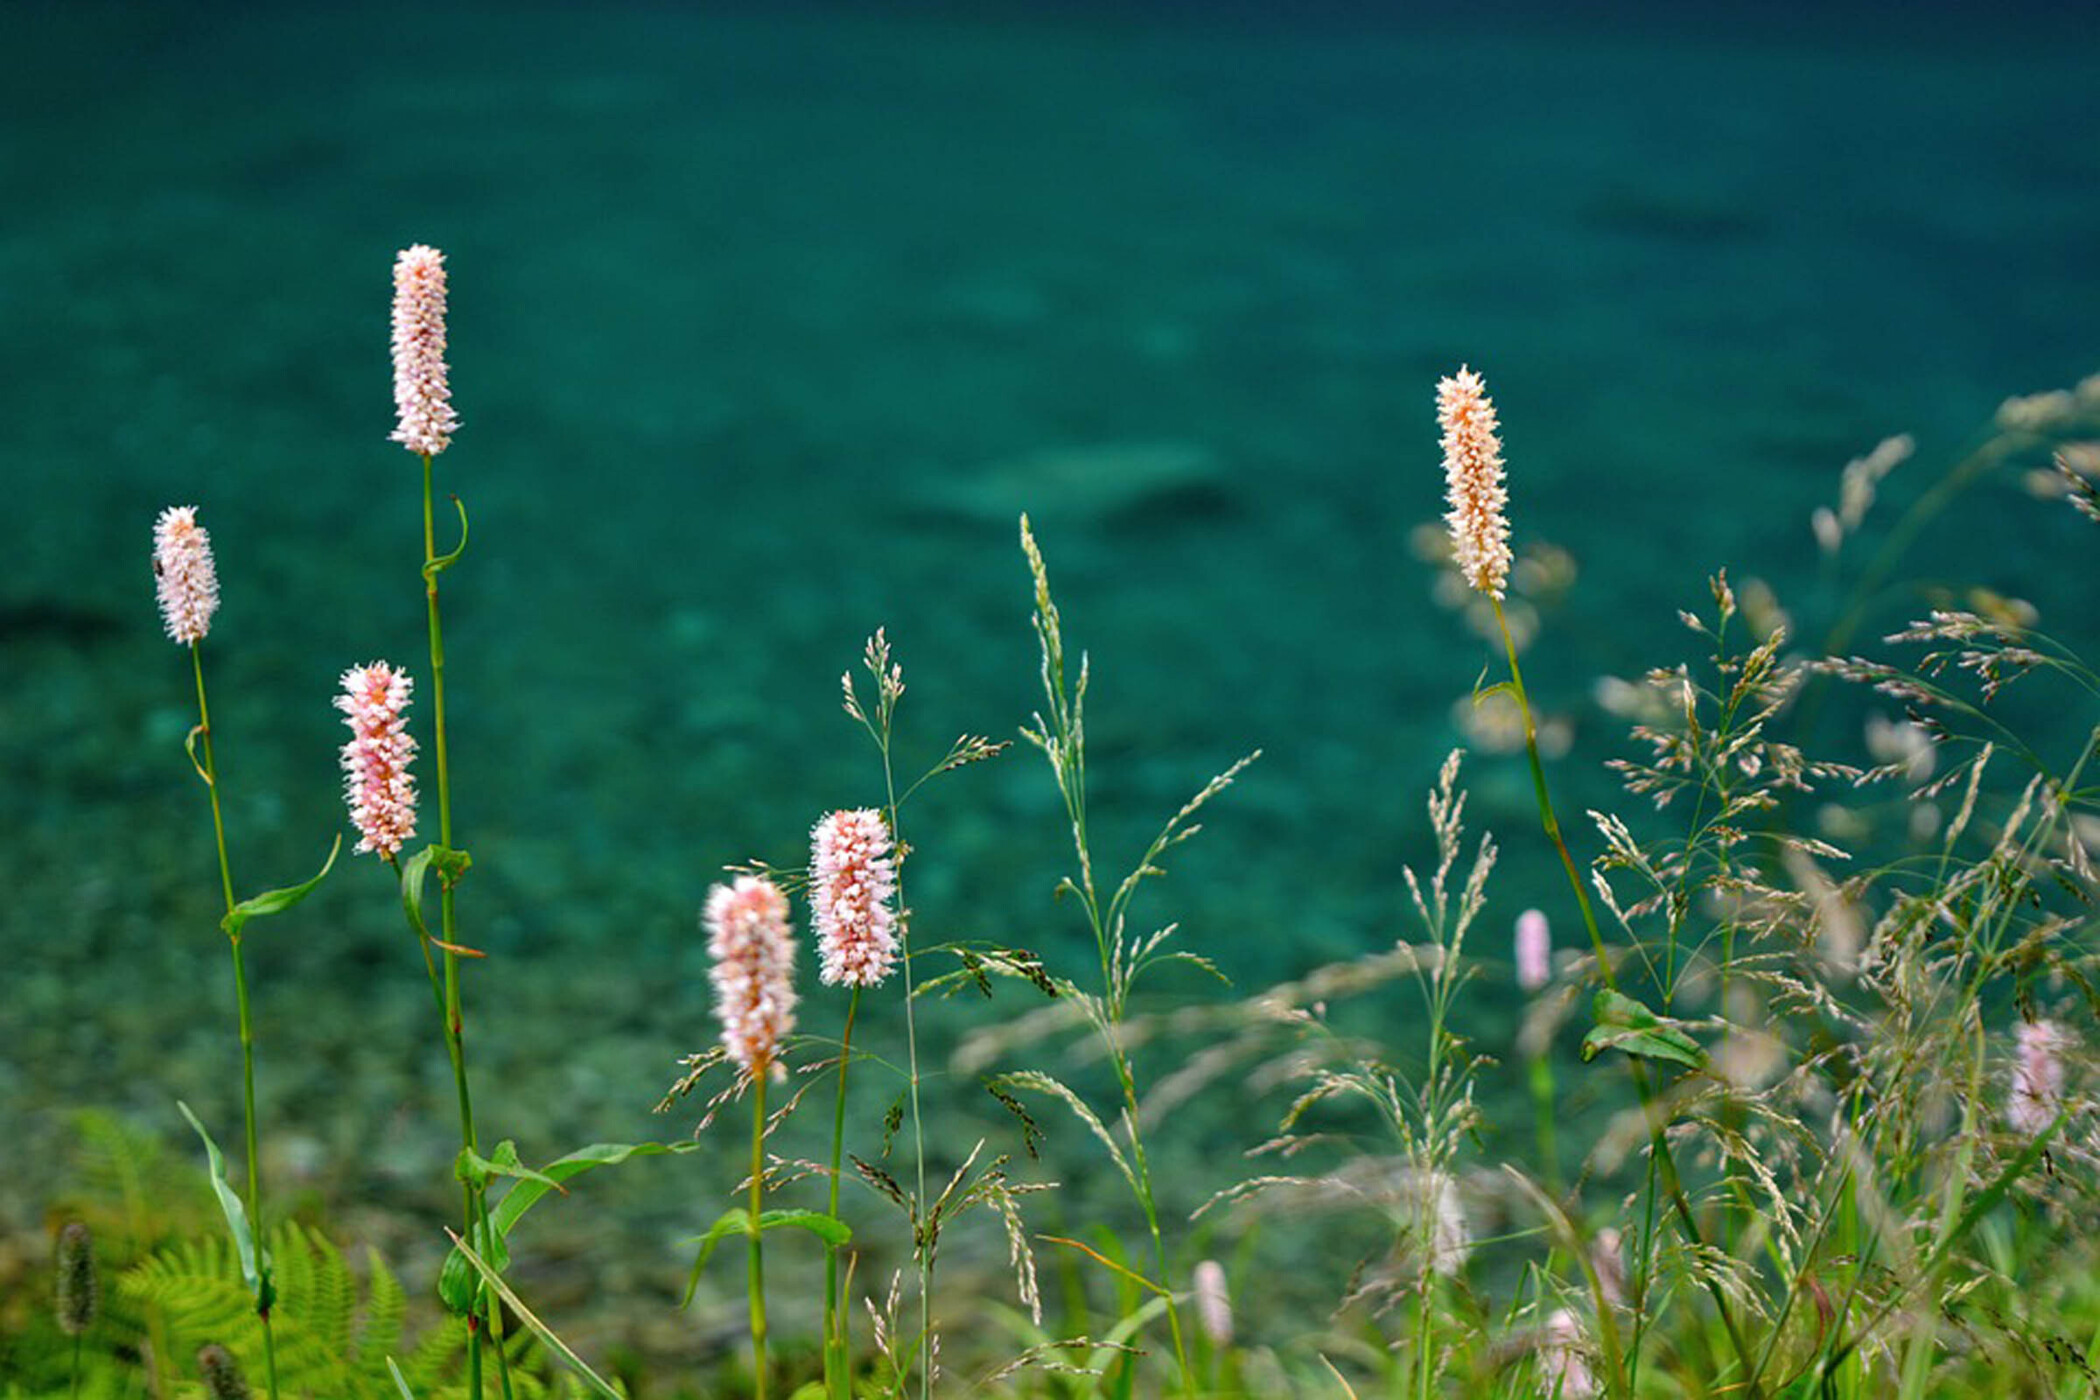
(183, 574)
(852, 874)
(1213, 1302)
(754, 973)
(423, 412)
(2038, 1077)
(376, 780)
(1534, 950)
(1564, 1372)
(1473, 481)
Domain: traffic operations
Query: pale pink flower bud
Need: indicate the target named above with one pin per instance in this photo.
(1564, 1372)
(1608, 1258)
(183, 574)
(1213, 1303)
(852, 875)
(422, 397)
(1534, 950)
(376, 780)
(747, 926)
(2038, 1077)
(1473, 481)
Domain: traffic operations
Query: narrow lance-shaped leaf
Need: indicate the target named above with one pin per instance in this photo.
(560, 1348)
(253, 1266)
(276, 901)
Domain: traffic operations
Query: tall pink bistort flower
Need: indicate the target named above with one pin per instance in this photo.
(1534, 950)
(422, 397)
(852, 876)
(754, 973)
(183, 574)
(2038, 1077)
(376, 780)
(1473, 481)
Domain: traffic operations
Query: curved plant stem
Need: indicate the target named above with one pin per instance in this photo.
(1659, 1147)
(209, 769)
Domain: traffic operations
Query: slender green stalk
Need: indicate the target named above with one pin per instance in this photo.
(1541, 1075)
(1660, 1158)
(837, 1383)
(920, 1250)
(210, 771)
(758, 1253)
(74, 1392)
(484, 1311)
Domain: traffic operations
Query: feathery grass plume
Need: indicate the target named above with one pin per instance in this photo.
(754, 953)
(852, 875)
(2038, 1078)
(79, 1291)
(1473, 481)
(184, 576)
(422, 395)
(1534, 947)
(222, 1374)
(376, 782)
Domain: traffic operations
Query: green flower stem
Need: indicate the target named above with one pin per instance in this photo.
(476, 1201)
(247, 1033)
(920, 1252)
(758, 1249)
(837, 1384)
(1661, 1158)
(1542, 1103)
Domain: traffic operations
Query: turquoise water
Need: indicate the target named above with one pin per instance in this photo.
(765, 327)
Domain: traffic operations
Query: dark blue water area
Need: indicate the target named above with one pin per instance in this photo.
(767, 323)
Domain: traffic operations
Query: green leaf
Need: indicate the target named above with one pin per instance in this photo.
(456, 1279)
(538, 1328)
(478, 1171)
(450, 866)
(1626, 1025)
(277, 901)
(400, 1381)
(433, 567)
(834, 1232)
(737, 1221)
(254, 1270)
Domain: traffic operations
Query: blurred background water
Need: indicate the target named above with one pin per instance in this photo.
(767, 322)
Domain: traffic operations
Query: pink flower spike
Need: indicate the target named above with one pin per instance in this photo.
(2038, 1077)
(422, 397)
(1473, 481)
(376, 780)
(754, 973)
(1534, 951)
(183, 574)
(852, 875)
